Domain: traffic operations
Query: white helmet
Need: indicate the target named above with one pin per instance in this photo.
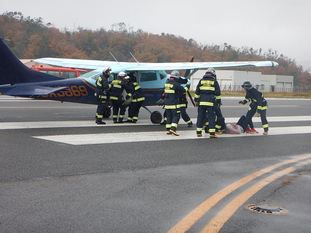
(211, 71)
(175, 73)
(122, 74)
(106, 71)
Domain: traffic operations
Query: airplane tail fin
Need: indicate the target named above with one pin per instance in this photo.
(13, 71)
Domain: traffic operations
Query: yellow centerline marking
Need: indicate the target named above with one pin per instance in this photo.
(190, 219)
(215, 225)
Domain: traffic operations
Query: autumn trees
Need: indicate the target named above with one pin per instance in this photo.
(32, 38)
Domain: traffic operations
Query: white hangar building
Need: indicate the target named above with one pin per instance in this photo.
(232, 80)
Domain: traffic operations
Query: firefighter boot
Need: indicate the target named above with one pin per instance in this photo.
(173, 131)
(265, 133)
(199, 133)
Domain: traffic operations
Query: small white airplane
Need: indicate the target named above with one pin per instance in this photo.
(18, 80)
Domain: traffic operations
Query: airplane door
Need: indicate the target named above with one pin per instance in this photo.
(151, 79)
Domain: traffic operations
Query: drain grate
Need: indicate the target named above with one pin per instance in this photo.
(266, 209)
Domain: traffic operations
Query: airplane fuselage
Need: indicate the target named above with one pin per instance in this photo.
(78, 90)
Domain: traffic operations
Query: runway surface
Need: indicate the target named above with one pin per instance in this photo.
(59, 172)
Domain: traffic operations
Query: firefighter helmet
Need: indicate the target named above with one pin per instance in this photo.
(211, 71)
(106, 70)
(246, 85)
(122, 74)
(175, 74)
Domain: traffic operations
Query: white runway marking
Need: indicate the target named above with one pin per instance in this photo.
(48, 107)
(270, 106)
(18, 99)
(7, 97)
(107, 138)
(72, 124)
(269, 98)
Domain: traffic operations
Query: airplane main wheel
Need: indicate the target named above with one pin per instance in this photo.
(107, 112)
(156, 117)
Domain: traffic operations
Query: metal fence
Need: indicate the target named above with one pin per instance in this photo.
(238, 88)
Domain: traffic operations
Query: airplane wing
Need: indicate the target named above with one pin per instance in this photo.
(133, 66)
(31, 90)
(200, 65)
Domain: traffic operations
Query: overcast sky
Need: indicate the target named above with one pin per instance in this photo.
(282, 25)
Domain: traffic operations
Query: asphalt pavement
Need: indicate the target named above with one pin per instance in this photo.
(59, 172)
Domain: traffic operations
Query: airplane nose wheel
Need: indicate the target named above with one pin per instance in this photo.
(156, 117)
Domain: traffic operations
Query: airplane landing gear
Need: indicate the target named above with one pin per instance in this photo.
(156, 117)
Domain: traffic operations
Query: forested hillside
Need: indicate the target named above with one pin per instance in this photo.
(32, 38)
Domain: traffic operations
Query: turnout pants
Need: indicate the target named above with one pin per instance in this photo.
(184, 115)
(172, 119)
(206, 113)
(100, 108)
(262, 110)
(220, 120)
(118, 110)
(133, 111)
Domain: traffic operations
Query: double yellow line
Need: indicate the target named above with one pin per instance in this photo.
(225, 213)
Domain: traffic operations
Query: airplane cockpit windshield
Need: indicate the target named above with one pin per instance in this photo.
(92, 74)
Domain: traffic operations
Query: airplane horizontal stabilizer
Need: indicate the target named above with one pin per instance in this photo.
(31, 90)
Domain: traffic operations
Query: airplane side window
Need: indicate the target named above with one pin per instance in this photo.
(147, 77)
(54, 73)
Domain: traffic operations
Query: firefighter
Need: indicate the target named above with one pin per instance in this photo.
(101, 92)
(183, 102)
(205, 97)
(117, 88)
(257, 104)
(136, 97)
(172, 92)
